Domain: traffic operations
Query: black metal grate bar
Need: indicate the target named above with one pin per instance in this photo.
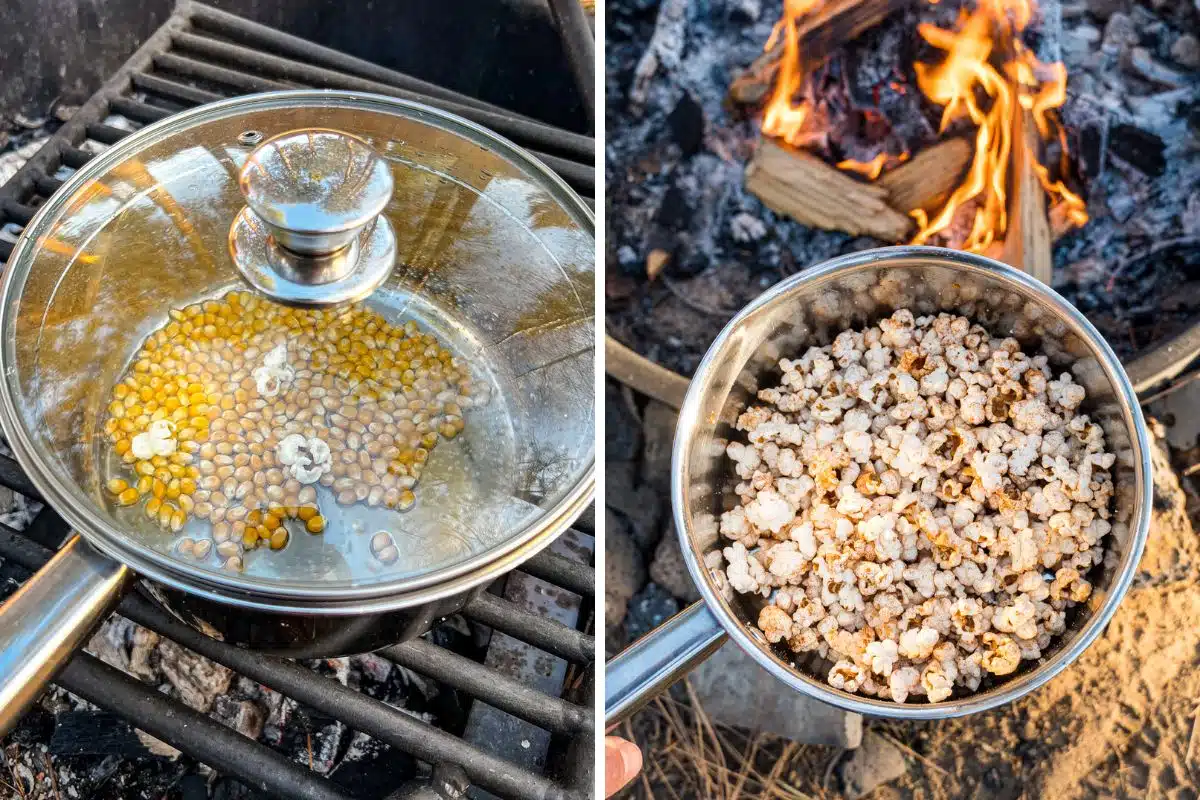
(193, 733)
(551, 713)
(12, 476)
(171, 90)
(551, 636)
(250, 33)
(362, 713)
(561, 571)
(579, 43)
(286, 74)
(138, 111)
(17, 212)
(191, 68)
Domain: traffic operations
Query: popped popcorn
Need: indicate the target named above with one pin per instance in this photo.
(921, 503)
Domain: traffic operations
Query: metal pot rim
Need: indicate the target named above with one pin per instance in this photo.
(235, 589)
(1009, 690)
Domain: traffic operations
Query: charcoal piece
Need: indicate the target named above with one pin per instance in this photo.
(686, 123)
(648, 609)
(675, 211)
(95, 733)
(1091, 142)
(1142, 149)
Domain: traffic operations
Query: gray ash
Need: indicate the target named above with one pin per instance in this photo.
(1133, 122)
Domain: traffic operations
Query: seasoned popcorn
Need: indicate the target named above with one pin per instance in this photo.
(920, 505)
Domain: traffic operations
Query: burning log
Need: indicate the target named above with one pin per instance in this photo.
(829, 27)
(926, 181)
(1027, 242)
(808, 190)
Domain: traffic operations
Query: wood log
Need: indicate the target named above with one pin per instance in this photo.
(637, 371)
(927, 179)
(829, 26)
(1027, 242)
(808, 190)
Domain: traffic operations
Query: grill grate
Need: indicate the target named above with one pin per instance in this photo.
(534, 686)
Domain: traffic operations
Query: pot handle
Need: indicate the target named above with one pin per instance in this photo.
(651, 664)
(49, 618)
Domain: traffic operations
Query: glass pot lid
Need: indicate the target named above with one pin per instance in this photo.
(419, 428)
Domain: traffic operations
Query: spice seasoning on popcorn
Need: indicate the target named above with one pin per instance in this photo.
(926, 500)
(237, 408)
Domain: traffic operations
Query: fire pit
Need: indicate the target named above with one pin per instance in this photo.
(887, 122)
(497, 698)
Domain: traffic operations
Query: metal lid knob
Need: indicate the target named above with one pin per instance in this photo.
(311, 232)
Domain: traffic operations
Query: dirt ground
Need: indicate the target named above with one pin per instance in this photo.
(1119, 723)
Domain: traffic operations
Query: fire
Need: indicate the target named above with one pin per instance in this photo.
(784, 116)
(873, 168)
(987, 77)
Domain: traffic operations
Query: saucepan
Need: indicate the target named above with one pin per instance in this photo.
(809, 309)
(237, 240)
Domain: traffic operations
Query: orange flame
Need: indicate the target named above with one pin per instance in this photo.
(967, 83)
(868, 169)
(784, 117)
(873, 168)
(987, 76)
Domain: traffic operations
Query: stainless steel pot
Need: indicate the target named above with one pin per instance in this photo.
(809, 309)
(311, 198)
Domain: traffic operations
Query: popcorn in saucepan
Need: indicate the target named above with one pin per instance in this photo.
(928, 502)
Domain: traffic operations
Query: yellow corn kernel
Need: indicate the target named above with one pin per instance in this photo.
(144, 468)
(250, 538)
(145, 484)
(116, 485)
(173, 489)
(159, 488)
(186, 503)
(279, 538)
(165, 512)
(127, 497)
(315, 524)
(306, 513)
(116, 408)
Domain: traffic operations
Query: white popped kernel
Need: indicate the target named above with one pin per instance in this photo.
(926, 503)
(274, 374)
(918, 643)
(157, 440)
(306, 459)
(881, 656)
